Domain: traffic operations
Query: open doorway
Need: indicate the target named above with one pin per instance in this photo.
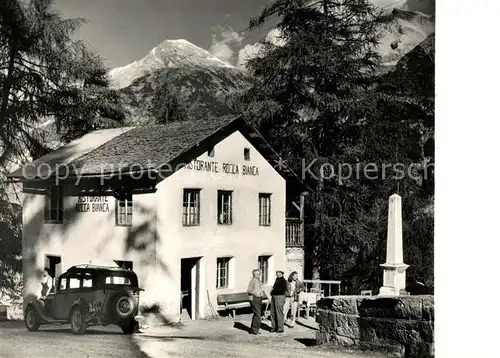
(53, 263)
(191, 287)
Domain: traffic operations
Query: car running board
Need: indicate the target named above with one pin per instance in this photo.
(47, 320)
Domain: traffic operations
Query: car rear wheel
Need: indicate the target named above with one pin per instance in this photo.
(77, 321)
(123, 307)
(30, 319)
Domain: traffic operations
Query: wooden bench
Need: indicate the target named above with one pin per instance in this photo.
(232, 301)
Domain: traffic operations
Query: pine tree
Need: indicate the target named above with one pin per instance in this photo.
(44, 74)
(318, 101)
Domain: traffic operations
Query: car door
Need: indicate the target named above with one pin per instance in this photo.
(59, 297)
(87, 289)
(67, 295)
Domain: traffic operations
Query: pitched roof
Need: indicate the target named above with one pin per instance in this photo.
(133, 149)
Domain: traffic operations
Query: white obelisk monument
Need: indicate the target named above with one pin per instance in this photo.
(394, 268)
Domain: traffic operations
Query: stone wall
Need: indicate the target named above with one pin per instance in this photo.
(404, 324)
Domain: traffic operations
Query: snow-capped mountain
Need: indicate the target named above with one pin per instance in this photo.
(168, 54)
(403, 30)
(198, 77)
(195, 75)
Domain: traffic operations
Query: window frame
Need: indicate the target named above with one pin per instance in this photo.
(265, 215)
(227, 218)
(49, 200)
(59, 282)
(128, 204)
(246, 154)
(84, 278)
(264, 272)
(75, 277)
(218, 279)
(186, 213)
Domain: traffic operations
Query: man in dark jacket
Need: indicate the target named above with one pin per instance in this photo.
(277, 303)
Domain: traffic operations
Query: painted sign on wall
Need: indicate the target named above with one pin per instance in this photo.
(226, 168)
(92, 204)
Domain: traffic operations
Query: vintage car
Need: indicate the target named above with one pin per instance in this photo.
(88, 295)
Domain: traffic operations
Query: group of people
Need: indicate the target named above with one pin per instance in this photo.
(283, 297)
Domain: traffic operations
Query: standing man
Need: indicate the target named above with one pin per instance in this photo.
(255, 295)
(278, 303)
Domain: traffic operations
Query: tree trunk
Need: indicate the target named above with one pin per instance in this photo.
(7, 84)
(317, 223)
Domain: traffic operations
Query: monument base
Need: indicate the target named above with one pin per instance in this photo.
(394, 279)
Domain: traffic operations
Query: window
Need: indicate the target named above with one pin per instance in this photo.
(246, 153)
(54, 204)
(264, 268)
(191, 207)
(264, 209)
(223, 272)
(73, 282)
(87, 280)
(124, 210)
(62, 284)
(224, 207)
(118, 280)
(211, 152)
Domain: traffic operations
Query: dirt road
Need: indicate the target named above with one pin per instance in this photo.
(59, 342)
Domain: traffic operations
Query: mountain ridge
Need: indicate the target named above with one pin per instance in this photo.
(168, 54)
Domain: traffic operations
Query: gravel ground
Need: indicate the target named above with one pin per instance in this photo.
(59, 342)
(227, 338)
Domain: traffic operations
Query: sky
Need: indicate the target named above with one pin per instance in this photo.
(124, 31)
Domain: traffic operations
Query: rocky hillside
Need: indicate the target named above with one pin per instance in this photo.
(414, 73)
(197, 77)
(402, 31)
(198, 86)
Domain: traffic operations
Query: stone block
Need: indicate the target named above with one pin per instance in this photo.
(428, 308)
(322, 337)
(389, 349)
(402, 307)
(402, 331)
(341, 304)
(346, 325)
(343, 341)
(427, 331)
(419, 349)
(325, 319)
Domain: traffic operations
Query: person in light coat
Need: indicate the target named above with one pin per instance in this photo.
(293, 289)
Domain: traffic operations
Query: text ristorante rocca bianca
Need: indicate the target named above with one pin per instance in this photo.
(226, 168)
(93, 204)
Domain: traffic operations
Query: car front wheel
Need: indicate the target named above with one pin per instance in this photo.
(77, 321)
(30, 319)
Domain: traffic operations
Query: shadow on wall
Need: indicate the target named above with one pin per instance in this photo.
(140, 242)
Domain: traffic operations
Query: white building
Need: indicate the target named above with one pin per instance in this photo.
(126, 196)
